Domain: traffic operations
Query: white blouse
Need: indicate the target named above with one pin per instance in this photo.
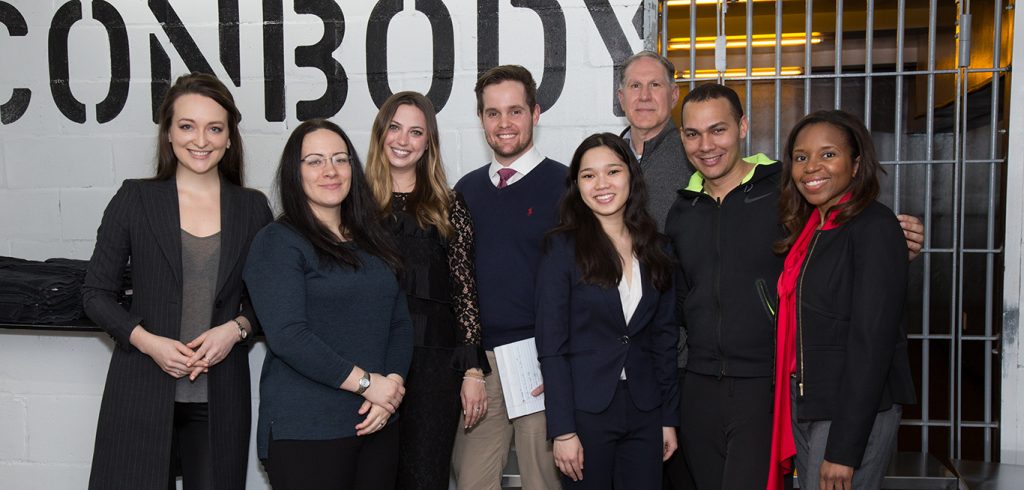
(630, 293)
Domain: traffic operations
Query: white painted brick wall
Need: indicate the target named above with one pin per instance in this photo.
(32, 214)
(34, 476)
(13, 444)
(78, 218)
(56, 175)
(48, 428)
(49, 162)
(3, 170)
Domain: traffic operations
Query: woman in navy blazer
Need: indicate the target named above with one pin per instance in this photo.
(606, 328)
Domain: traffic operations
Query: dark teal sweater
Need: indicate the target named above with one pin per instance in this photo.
(320, 321)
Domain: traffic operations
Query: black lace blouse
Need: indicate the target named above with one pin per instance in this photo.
(438, 278)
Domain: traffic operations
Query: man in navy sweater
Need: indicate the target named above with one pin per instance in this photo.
(513, 201)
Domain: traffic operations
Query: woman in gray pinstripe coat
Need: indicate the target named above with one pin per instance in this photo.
(177, 393)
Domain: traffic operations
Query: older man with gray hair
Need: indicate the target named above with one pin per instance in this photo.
(647, 93)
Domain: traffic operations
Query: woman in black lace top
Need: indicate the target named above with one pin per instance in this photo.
(434, 233)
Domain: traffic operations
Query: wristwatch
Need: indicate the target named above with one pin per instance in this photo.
(364, 383)
(242, 333)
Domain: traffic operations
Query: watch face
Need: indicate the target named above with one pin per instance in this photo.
(364, 382)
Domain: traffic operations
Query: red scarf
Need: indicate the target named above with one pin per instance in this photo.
(783, 447)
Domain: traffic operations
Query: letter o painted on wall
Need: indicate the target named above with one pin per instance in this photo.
(377, 50)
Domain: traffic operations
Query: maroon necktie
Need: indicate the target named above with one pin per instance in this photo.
(503, 175)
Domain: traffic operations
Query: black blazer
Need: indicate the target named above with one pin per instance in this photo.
(583, 342)
(133, 436)
(851, 336)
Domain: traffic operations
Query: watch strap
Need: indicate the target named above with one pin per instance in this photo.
(364, 383)
(242, 332)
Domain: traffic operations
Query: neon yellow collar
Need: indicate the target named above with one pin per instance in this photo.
(697, 179)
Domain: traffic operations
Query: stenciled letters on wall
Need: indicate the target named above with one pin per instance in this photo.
(15, 107)
(183, 43)
(320, 55)
(614, 39)
(443, 42)
(120, 72)
(553, 20)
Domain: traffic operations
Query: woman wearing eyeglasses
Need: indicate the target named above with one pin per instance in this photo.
(322, 280)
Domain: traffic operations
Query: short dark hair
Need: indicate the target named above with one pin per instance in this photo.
(504, 73)
(794, 210)
(230, 166)
(709, 91)
(670, 69)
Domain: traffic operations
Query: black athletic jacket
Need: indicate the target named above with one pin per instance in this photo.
(728, 273)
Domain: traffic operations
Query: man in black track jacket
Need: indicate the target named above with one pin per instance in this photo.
(723, 225)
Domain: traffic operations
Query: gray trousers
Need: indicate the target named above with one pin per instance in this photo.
(811, 438)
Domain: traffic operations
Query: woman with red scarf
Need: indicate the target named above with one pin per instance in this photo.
(842, 373)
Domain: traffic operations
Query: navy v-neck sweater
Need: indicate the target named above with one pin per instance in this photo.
(509, 226)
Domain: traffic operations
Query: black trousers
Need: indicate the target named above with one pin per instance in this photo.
(676, 474)
(357, 462)
(430, 417)
(621, 446)
(190, 447)
(727, 430)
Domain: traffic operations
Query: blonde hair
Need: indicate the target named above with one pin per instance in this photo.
(431, 199)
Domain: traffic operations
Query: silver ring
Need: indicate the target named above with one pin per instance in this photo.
(477, 409)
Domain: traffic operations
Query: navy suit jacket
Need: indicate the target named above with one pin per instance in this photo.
(583, 343)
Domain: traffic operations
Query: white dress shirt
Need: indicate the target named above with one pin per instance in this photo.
(522, 165)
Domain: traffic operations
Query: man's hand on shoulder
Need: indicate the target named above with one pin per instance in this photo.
(913, 231)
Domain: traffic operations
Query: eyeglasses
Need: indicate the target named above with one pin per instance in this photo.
(317, 161)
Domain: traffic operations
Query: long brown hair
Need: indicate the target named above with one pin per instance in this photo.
(596, 256)
(358, 210)
(230, 166)
(431, 198)
(794, 210)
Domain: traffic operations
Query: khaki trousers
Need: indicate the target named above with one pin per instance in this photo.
(481, 452)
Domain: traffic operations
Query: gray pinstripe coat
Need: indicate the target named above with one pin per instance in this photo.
(133, 435)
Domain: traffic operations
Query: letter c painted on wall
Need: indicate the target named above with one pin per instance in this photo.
(377, 50)
(15, 107)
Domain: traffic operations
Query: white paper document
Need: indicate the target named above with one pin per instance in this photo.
(520, 374)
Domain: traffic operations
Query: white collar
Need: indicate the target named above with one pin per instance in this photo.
(522, 165)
